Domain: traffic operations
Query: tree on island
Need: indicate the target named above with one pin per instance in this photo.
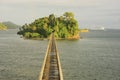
(3, 27)
(65, 26)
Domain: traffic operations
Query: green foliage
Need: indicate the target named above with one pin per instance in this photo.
(68, 15)
(27, 34)
(35, 35)
(64, 26)
(2, 27)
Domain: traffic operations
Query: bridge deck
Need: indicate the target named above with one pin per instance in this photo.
(51, 68)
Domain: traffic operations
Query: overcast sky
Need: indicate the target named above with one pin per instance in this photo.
(89, 13)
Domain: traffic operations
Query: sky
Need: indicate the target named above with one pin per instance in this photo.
(89, 13)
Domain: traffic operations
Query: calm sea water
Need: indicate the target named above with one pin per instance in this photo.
(95, 57)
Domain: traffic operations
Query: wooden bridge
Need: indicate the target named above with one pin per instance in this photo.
(51, 68)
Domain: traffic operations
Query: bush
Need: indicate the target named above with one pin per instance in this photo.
(27, 35)
(35, 35)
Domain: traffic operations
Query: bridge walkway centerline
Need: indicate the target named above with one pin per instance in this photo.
(51, 68)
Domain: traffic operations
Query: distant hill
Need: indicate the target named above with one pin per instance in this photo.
(10, 25)
(2, 27)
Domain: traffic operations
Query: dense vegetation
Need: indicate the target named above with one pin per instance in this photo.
(2, 27)
(10, 25)
(64, 26)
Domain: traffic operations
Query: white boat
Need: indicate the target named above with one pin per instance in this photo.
(102, 28)
(98, 28)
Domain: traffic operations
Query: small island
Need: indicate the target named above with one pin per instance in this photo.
(84, 30)
(64, 27)
(2, 27)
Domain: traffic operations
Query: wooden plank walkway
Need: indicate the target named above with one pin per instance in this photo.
(51, 68)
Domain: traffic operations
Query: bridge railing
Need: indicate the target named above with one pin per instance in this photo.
(45, 58)
(59, 63)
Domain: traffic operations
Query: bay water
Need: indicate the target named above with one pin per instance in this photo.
(94, 57)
